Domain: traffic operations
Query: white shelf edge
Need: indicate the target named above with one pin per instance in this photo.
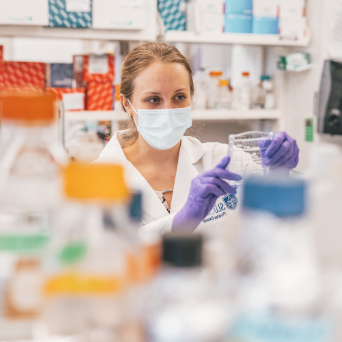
(197, 115)
(74, 33)
(232, 38)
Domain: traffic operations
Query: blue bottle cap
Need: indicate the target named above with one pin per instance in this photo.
(135, 207)
(284, 197)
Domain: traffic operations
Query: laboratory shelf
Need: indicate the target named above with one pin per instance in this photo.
(71, 33)
(233, 38)
(227, 115)
(197, 115)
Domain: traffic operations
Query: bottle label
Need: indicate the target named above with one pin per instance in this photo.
(20, 243)
(271, 329)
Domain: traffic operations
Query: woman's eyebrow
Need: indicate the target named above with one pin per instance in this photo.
(151, 93)
(180, 89)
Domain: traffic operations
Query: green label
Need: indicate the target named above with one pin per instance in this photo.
(309, 130)
(72, 253)
(19, 243)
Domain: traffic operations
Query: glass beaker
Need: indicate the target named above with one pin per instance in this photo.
(247, 151)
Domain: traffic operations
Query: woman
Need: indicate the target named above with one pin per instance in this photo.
(183, 180)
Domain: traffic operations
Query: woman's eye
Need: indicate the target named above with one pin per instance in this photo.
(180, 97)
(153, 99)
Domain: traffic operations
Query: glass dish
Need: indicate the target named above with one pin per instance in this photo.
(247, 151)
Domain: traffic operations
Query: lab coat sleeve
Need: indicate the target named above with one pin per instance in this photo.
(157, 228)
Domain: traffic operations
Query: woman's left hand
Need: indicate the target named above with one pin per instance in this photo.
(283, 152)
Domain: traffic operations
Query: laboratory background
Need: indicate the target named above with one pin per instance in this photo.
(78, 263)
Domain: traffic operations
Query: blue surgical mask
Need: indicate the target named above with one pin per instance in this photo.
(163, 128)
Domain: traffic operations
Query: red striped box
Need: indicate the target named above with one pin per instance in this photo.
(94, 68)
(71, 103)
(23, 74)
(99, 96)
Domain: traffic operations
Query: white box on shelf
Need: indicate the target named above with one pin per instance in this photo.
(293, 28)
(24, 12)
(211, 6)
(292, 9)
(266, 8)
(212, 23)
(119, 14)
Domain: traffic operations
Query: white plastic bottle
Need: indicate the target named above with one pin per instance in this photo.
(281, 294)
(224, 95)
(183, 304)
(246, 92)
(30, 191)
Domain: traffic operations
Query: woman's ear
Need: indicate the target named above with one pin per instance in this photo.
(126, 104)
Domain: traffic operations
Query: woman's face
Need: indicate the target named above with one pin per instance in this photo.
(160, 86)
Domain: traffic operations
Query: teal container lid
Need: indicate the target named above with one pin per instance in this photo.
(265, 78)
(284, 197)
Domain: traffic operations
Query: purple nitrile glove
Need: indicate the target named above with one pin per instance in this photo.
(283, 152)
(205, 190)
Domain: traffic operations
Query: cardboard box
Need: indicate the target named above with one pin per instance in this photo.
(73, 98)
(292, 9)
(24, 12)
(99, 96)
(293, 28)
(211, 6)
(119, 14)
(59, 75)
(94, 68)
(173, 14)
(265, 25)
(23, 74)
(239, 6)
(70, 13)
(1, 58)
(212, 23)
(266, 8)
(238, 23)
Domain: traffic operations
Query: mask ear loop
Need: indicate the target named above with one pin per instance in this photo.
(135, 112)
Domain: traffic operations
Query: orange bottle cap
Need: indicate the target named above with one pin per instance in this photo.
(245, 74)
(102, 182)
(224, 83)
(27, 106)
(215, 73)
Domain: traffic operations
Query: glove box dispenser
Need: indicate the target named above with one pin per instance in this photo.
(330, 99)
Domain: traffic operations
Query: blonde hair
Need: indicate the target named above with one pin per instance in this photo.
(142, 57)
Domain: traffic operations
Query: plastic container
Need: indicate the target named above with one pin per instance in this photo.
(280, 293)
(30, 191)
(224, 95)
(213, 89)
(246, 151)
(183, 304)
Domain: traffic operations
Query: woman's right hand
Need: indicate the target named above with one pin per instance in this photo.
(204, 192)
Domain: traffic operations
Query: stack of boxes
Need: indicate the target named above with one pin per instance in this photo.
(1, 58)
(266, 16)
(173, 13)
(96, 73)
(238, 16)
(59, 82)
(70, 14)
(293, 23)
(24, 75)
(211, 16)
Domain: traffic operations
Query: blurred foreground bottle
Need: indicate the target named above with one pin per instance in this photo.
(280, 292)
(183, 304)
(89, 265)
(29, 193)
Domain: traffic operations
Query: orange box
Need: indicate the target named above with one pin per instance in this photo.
(94, 68)
(22, 74)
(99, 96)
(71, 103)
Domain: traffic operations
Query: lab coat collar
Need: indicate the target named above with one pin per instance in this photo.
(194, 149)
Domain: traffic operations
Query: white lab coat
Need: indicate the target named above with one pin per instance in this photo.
(194, 159)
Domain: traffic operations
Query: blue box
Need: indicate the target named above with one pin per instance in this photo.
(265, 25)
(173, 16)
(238, 23)
(239, 7)
(60, 17)
(59, 75)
